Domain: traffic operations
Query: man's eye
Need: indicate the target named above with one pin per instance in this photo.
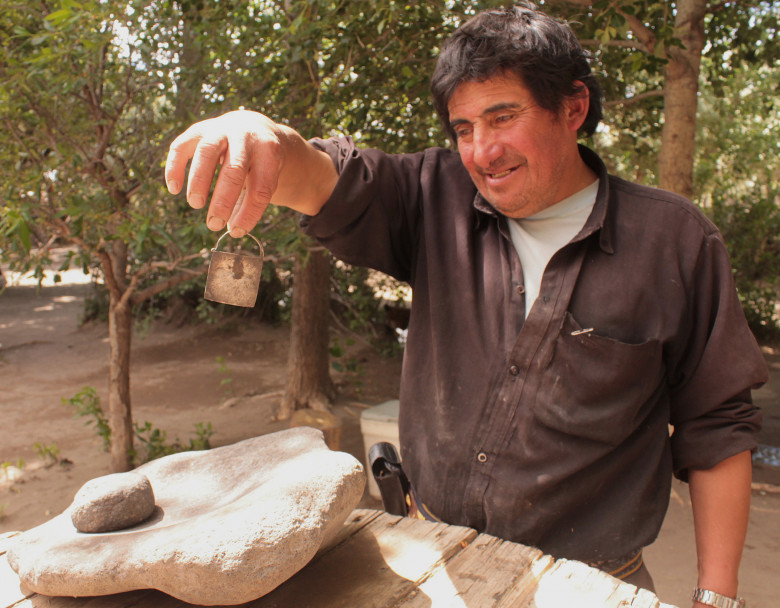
(462, 133)
(502, 118)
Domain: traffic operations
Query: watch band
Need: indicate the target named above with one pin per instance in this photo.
(705, 596)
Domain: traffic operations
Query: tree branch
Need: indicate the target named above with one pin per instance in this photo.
(184, 275)
(634, 99)
(48, 120)
(644, 34)
(108, 275)
(627, 44)
(22, 143)
(167, 266)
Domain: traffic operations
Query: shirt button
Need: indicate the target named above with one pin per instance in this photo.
(482, 457)
(514, 370)
(520, 290)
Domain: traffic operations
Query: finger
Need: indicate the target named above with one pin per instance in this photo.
(239, 203)
(261, 183)
(204, 165)
(230, 183)
(179, 153)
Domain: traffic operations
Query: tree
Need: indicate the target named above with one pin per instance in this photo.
(647, 51)
(90, 92)
(737, 173)
(675, 161)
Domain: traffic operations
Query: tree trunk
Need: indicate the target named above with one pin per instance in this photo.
(678, 141)
(120, 333)
(308, 379)
(120, 419)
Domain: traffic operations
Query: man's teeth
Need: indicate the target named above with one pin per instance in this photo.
(502, 174)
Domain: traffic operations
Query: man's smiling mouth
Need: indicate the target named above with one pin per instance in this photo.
(500, 174)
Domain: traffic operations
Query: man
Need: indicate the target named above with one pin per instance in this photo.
(562, 317)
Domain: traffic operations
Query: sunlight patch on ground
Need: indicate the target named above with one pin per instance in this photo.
(58, 256)
(67, 277)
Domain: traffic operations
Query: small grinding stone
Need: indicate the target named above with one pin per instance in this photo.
(112, 502)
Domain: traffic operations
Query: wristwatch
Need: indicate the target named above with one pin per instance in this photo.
(705, 596)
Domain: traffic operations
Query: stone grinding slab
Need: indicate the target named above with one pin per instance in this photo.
(230, 525)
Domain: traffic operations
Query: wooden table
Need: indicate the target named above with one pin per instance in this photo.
(383, 561)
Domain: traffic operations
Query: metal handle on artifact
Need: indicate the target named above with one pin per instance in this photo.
(249, 234)
(234, 278)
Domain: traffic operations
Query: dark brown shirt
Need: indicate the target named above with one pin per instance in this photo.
(551, 431)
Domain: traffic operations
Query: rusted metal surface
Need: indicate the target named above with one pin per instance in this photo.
(234, 278)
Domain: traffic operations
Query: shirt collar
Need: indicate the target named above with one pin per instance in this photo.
(597, 221)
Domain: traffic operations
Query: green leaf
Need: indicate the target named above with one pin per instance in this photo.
(58, 17)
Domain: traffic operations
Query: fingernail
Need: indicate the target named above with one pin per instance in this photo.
(215, 223)
(197, 201)
(173, 186)
(237, 233)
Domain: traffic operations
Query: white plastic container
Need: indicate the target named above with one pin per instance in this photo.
(379, 423)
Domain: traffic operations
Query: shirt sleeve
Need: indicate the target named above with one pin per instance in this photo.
(371, 217)
(711, 406)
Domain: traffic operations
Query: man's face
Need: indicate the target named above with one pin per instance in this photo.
(521, 157)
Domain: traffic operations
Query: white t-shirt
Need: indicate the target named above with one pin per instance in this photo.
(538, 237)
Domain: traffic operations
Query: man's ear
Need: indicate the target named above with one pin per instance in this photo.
(575, 107)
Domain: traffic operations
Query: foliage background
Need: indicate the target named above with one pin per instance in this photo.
(91, 93)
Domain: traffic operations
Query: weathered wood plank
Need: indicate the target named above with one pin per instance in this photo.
(484, 573)
(522, 592)
(570, 583)
(378, 566)
(131, 599)
(356, 520)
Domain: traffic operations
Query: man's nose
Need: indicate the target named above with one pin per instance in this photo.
(487, 147)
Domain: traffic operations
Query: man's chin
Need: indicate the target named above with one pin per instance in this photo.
(501, 205)
(504, 202)
(515, 210)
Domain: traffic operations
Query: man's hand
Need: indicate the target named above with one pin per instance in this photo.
(261, 162)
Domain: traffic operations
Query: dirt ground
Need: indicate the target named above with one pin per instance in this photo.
(232, 377)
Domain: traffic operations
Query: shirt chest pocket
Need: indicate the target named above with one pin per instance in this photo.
(596, 387)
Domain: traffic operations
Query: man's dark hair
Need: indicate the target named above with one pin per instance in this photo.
(544, 53)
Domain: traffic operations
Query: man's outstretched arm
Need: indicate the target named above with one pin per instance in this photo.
(261, 161)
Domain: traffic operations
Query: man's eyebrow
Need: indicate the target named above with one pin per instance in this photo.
(458, 122)
(499, 107)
